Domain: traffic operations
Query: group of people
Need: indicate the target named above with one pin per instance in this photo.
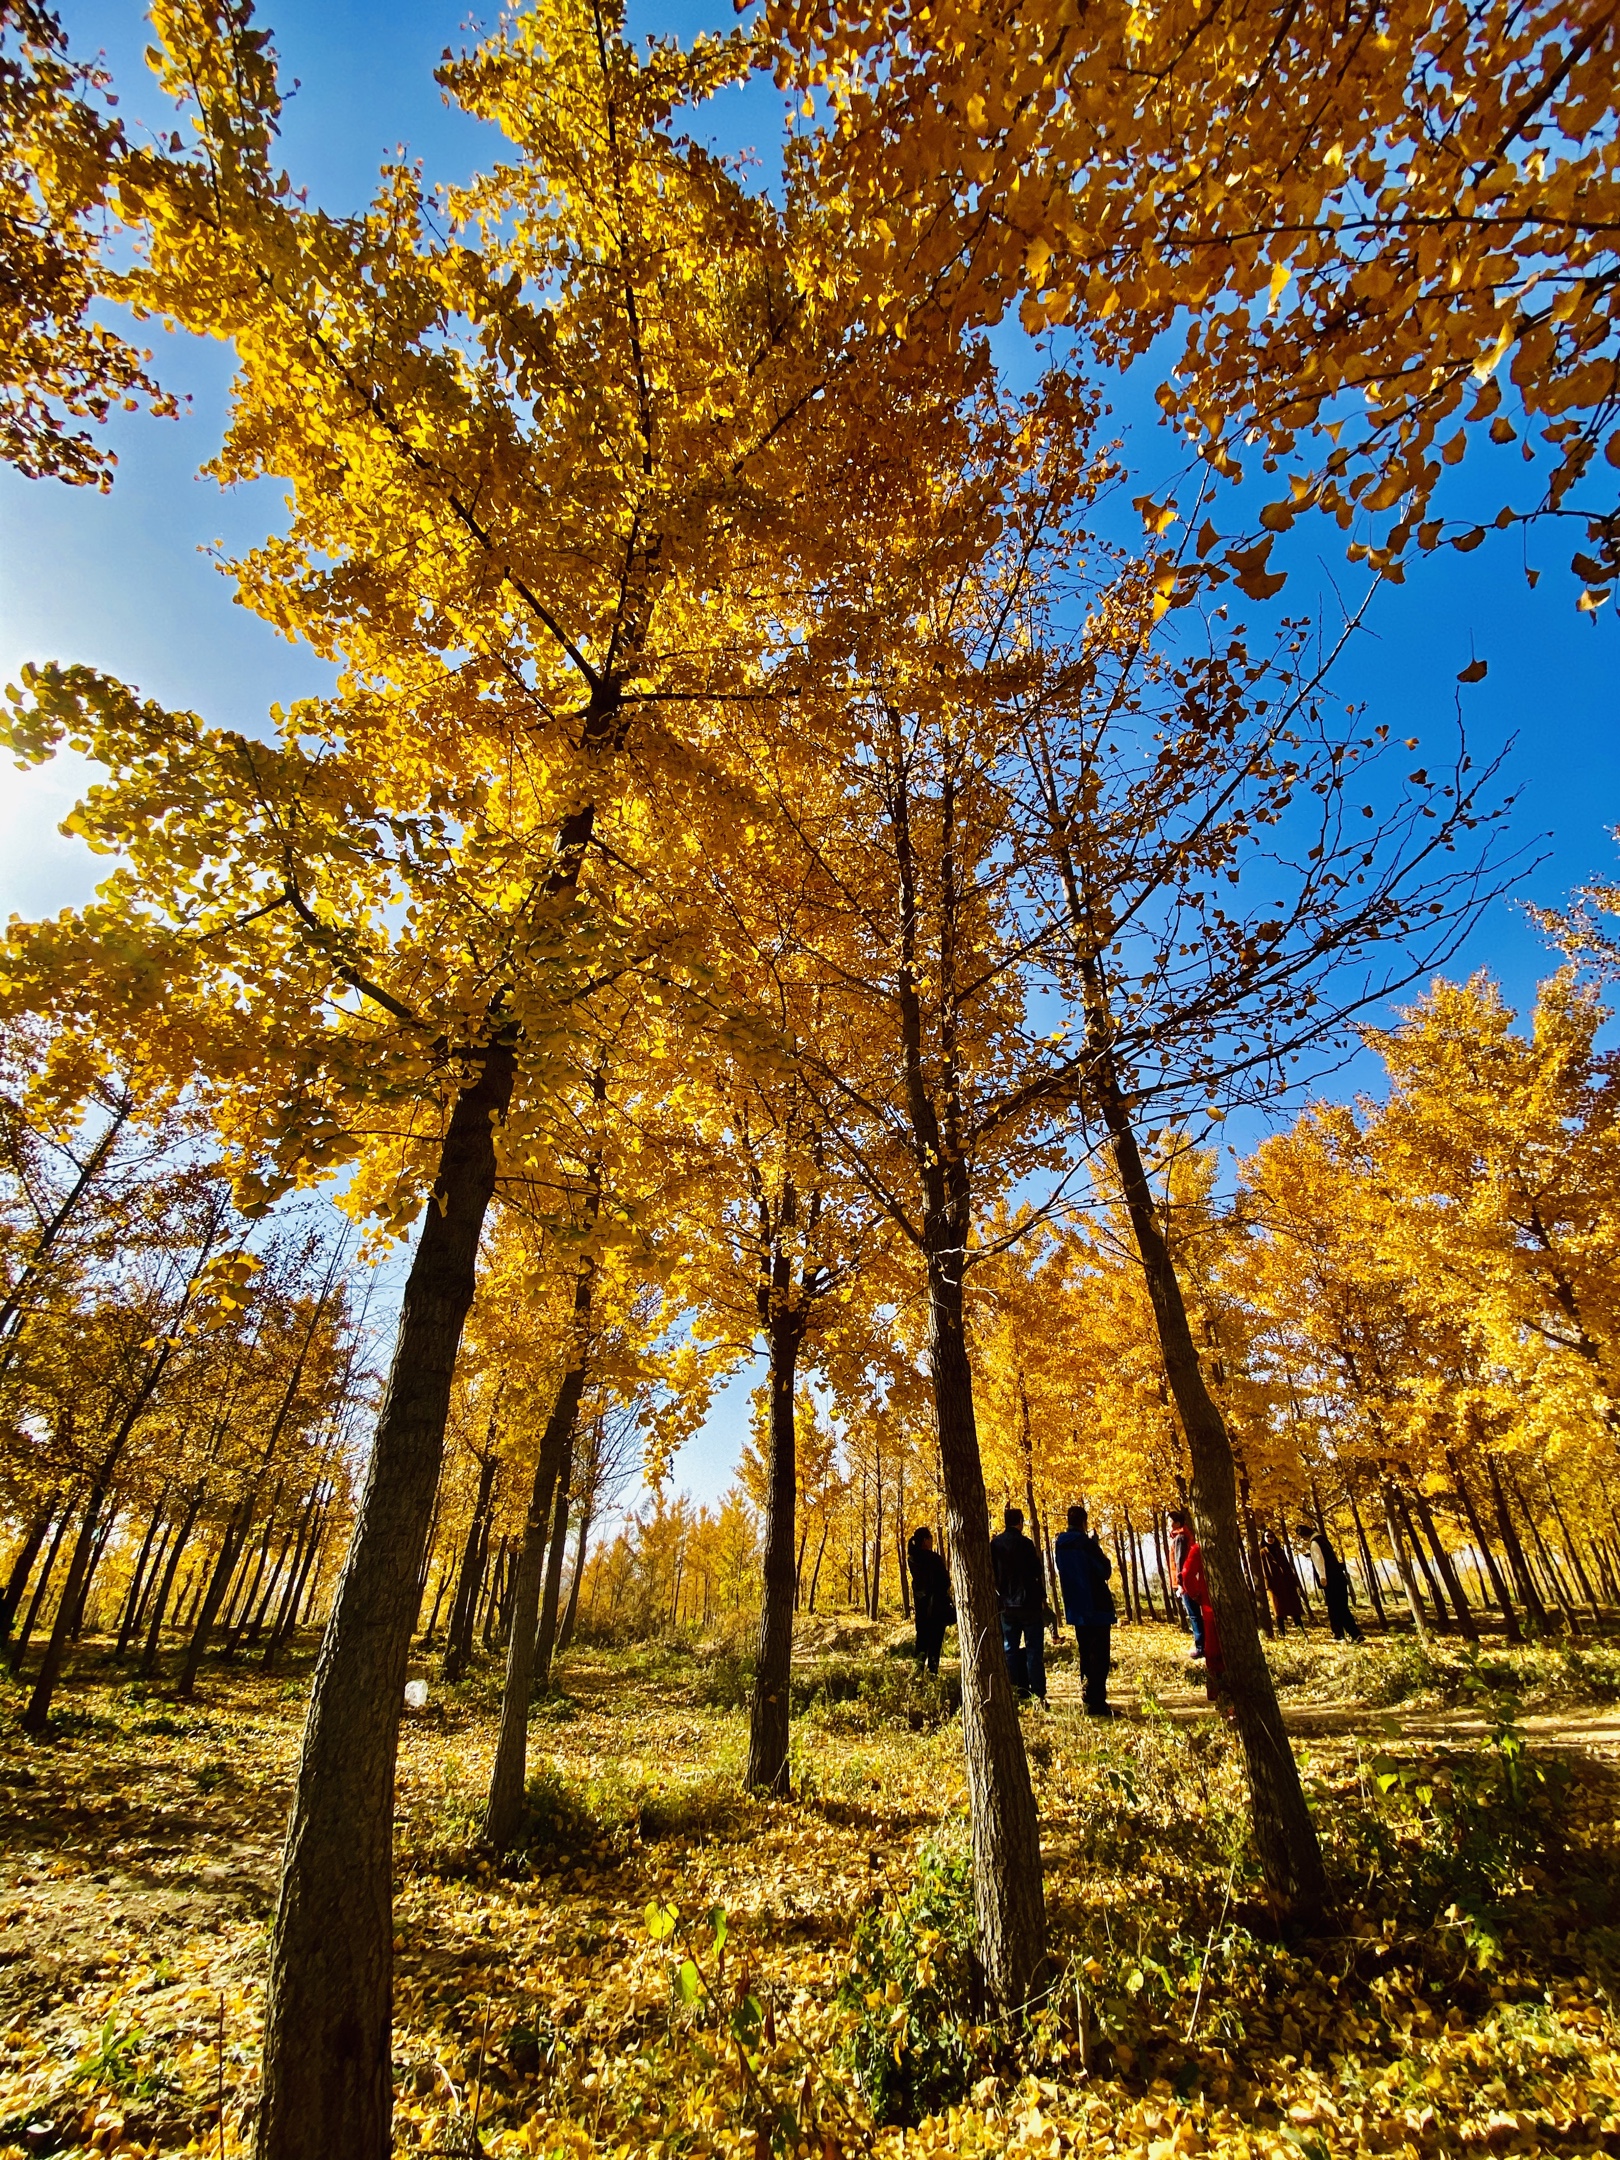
(1083, 1571)
(1279, 1580)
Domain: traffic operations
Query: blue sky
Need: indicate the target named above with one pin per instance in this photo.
(125, 582)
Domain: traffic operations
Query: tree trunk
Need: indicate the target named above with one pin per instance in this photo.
(36, 1718)
(877, 1534)
(19, 1647)
(1403, 1514)
(22, 1566)
(432, 1627)
(545, 1640)
(313, 1569)
(294, 1575)
(11, 1307)
(770, 1706)
(1123, 1567)
(327, 2086)
(1446, 1569)
(1560, 1593)
(1174, 1610)
(1570, 1547)
(1482, 1546)
(508, 1782)
(1403, 1566)
(221, 1577)
(171, 1566)
(815, 1572)
(464, 1611)
(287, 1621)
(1251, 1552)
(130, 1618)
(1529, 1595)
(81, 1602)
(1369, 1566)
(253, 1578)
(571, 1616)
(492, 1595)
(279, 1576)
(87, 1551)
(1290, 1856)
(1007, 1888)
(153, 1578)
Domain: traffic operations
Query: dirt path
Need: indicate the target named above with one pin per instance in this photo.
(1593, 1731)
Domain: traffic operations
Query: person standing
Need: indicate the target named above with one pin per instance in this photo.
(1196, 1585)
(1282, 1582)
(1021, 1594)
(1088, 1605)
(1334, 1578)
(1181, 1543)
(930, 1597)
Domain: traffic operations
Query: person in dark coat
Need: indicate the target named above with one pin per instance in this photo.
(1334, 1579)
(930, 1596)
(1021, 1594)
(1088, 1605)
(1181, 1543)
(1282, 1582)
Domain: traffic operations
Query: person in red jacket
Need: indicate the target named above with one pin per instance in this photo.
(1196, 1584)
(1181, 1538)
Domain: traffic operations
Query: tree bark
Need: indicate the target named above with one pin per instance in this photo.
(1290, 1857)
(1008, 1894)
(1369, 1566)
(1571, 1549)
(571, 1616)
(545, 1639)
(1525, 1582)
(11, 1308)
(221, 1577)
(815, 1572)
(86, 1550)
(1007, 1885)
(1415, 1543)
(294, 1579)
(464, 1608)
(1560, 1593)
(1403, 1566)
(20, 1646)
(1285, 1836)
(36, 1718)
(770, 1707)
(22, 1566)
(1250, 1551)
(248, 1588)
(1482, 1546)
(171, 1566)
(1446, 1568)
(503, 1817)
(287, 1621)
(129, 1620)
(327, 2085)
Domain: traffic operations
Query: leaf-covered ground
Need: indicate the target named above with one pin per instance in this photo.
(675, 1970)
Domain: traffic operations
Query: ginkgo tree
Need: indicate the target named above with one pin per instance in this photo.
(526, 465)
(61, 144)
(1359, 227)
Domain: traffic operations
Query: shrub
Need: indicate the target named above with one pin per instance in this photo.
(911, 1992)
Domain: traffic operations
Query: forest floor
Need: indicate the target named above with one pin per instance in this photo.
(676, 1970)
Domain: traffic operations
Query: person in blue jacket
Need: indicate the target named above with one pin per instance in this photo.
(1088, 1604)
